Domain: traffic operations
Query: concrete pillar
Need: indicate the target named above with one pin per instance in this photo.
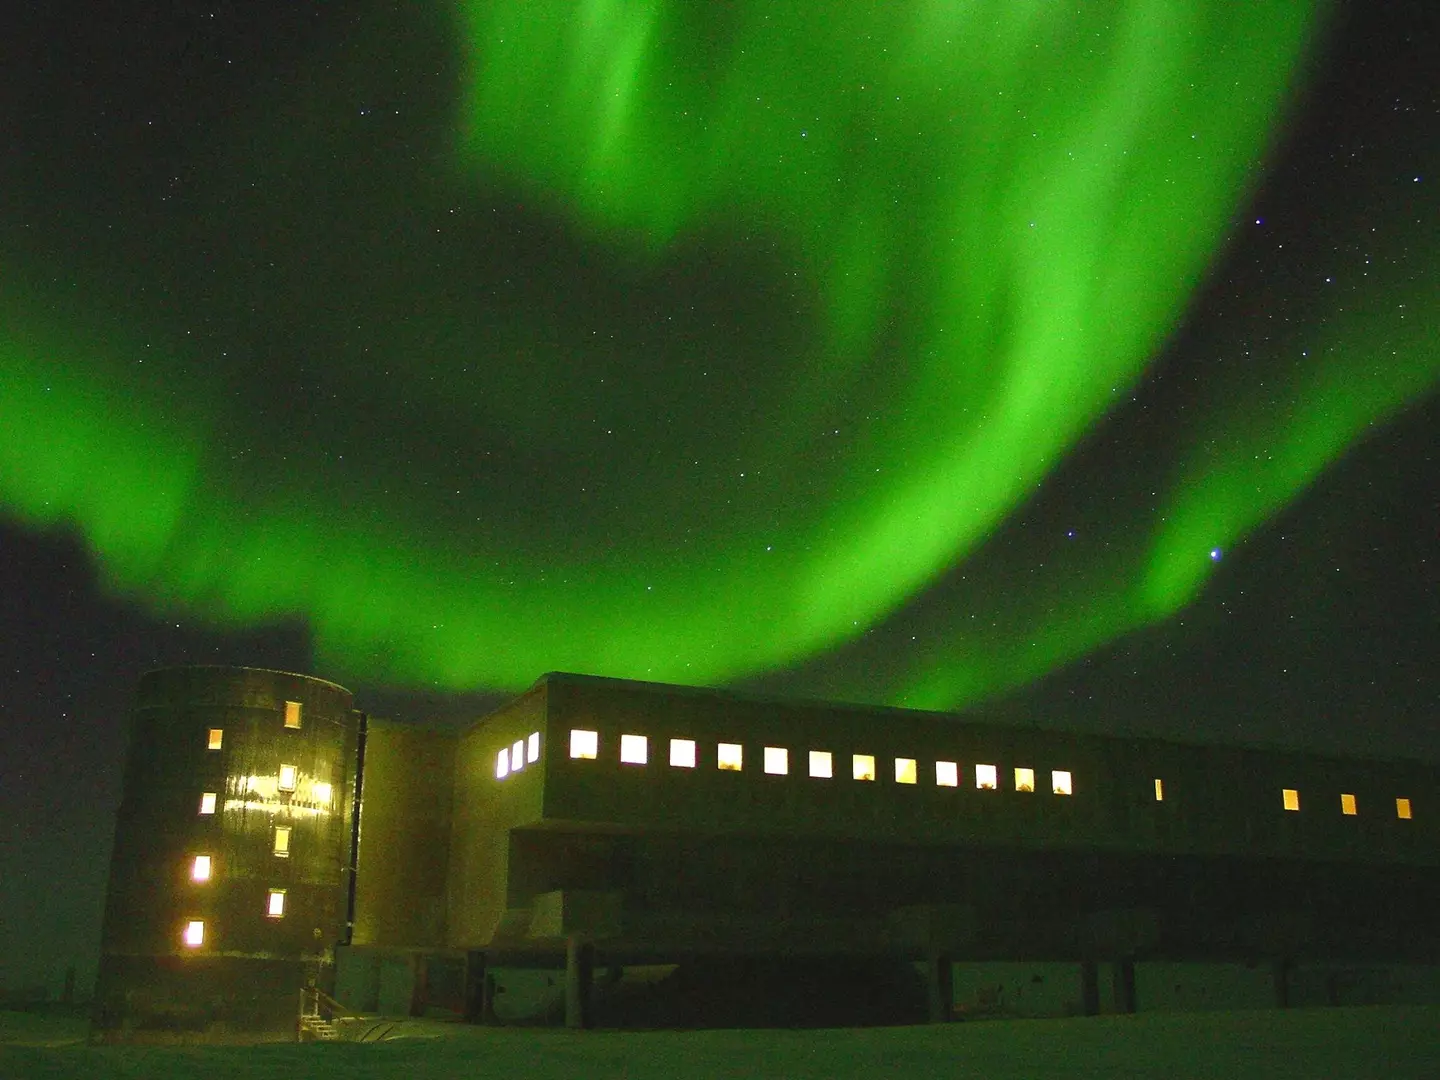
(579, 978)
(419, 979)
(1090, 987)
(940, 982)
(1282, 968)
(477, 989)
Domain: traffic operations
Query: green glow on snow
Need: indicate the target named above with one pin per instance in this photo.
(973, 224)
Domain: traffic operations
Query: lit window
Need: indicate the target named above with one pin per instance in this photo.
(275, 905)
(730, 756)
(634, 749)
(682, 753)
(194, 935)
(532, 747)
(904, 770)
(947, 774)
(282, 840)
(1347, 805)
(1159, 790)
(584, 744)
(502, 763)
(1060, 783)
(207, 803)
(1024, 779)
(292, 715)
(200, 869)
(862, 766)
(1402, 809)
(217, 736)
(517, 755)
(986, 778)
(822, 764)
(777, 760)
(287, 778)
(1291, 798)
(322, 793)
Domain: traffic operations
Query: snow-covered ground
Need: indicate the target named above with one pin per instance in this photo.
(1395, 1042)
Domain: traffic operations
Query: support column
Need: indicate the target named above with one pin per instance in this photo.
(940, 980)
(1090, 987)
(419, 983)
(1282, 970)
(579, 979)
(1124, 969)
(477, 982)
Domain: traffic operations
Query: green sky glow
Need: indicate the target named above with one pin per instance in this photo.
(681, 341)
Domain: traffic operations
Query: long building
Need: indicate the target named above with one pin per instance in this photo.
(272, 838)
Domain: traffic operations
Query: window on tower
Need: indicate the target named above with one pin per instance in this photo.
(292, 715)
(275, 904)
(216, 738)
(822, 764)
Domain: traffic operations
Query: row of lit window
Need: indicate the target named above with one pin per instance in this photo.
(1290, 799)
(775, 760)
(194, 933)
(512, 759)
(216, 737)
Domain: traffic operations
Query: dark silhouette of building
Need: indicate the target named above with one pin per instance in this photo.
(597, 825)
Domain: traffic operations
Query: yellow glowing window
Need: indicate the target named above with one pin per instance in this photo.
(634, 749)
(532, 747)
(777, 760)
(322, 793)
(1347, 805)
(194, 935)
(1159, 790)
(1024, 779)
(862, 766)
(275, 904)
(730, 756)
(502, 763)
(1402, 809)
(207, 803)
(904, 770)
(584, 744)
(200, 868)
(286, 782)
(986, 778)
(822, 764)
(682, 753)
(1291, 798)
(282, 840)
(1060, 782)
(947, 774)
(217, 737)
(292, 715)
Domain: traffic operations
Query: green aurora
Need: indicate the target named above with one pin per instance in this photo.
(679, 341)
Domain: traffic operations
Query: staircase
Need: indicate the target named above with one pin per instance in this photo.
(318, 1015)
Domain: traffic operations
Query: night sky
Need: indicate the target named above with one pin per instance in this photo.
(1073, 367)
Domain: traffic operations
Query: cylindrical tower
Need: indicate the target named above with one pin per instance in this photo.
(233, 854)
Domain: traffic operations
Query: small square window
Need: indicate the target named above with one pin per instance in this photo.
(1402, 809)
(904, 770)
(947, 774)
(275, 904)
(322, 793)
(730, 756)
(862, 766)
(1347, 805)
(286, 781)
(217, 738)
(822, 764)
(584, 744)
(634, 749)
(682, 753)
(1024, 779)
(502, 763)
(194, 935)
(777, 760)
(282, 841)
(207, 803)
(1290, 797)
(292, 715)
(1159, 790)
(1060, 782)
(987, 778)
(200, 868)
(532, 748)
